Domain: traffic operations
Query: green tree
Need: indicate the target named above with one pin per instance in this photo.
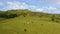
(53, 18)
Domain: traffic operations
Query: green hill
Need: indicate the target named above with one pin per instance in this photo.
(28, 22)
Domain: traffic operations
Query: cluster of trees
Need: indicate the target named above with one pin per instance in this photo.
(8, 15)
(55, 18)
(11, 15)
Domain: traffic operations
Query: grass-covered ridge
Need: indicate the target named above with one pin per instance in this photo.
(27, 22)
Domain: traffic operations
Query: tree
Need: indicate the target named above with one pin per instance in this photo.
(53, 18)
(25, 30)
(11, 16)
(24, 14)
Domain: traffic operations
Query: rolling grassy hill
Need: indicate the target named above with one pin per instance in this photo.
(32, 23)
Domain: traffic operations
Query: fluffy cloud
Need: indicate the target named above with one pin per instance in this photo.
(16, 5)
(35, 8)
(22, 5)
(1, 3)
(51, 8)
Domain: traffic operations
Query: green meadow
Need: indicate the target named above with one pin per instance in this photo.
(27, 22)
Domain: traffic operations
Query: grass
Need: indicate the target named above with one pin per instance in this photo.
(36, 25)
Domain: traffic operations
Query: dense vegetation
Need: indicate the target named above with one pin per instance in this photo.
(28, 22)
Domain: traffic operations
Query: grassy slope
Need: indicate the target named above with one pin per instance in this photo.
(36, 25)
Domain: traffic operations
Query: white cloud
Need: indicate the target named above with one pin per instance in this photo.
(43, 9)
(35, 8)
(22, 5)
(51, 8)
(39, 9)
(16, 5)
(1, 3)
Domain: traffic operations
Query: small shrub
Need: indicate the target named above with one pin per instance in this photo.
(58, 18)
(25, 30)
(24, 14)
(57, 21)
(53, 18)
(41, 24)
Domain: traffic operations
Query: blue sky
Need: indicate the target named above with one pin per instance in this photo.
(47, 6)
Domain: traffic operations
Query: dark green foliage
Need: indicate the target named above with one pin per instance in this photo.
(53, 18)
(57, 21)
(25, 30)
(3, 15)
(8, 16)
(24, 14)
(58, 18)
(41, 24)
(11, 16)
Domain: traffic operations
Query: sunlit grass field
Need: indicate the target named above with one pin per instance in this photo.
(29, 25)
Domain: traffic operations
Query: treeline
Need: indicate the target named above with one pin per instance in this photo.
(8, 15)
(16, 13)
(12, 14)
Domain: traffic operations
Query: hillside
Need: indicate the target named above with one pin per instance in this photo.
(27, 22)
